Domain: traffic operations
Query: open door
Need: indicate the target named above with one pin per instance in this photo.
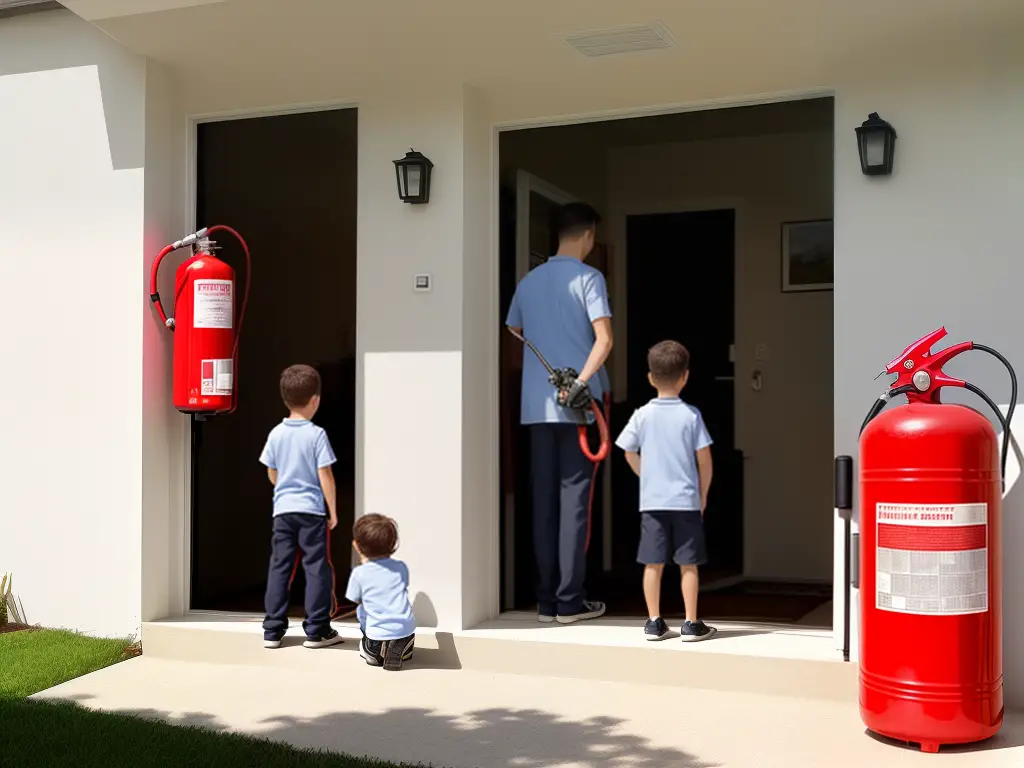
(533, 241)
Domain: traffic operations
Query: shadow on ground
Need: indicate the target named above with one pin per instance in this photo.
(496, 738)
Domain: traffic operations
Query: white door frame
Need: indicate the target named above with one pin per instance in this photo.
(526, 185)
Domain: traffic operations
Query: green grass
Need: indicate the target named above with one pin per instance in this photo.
(33, 661)
(46, 734)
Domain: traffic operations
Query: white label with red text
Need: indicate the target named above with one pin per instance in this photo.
(217, 377)
(931, 559)
(213, 306)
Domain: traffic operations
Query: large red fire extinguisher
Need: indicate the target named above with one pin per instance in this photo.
(931, 564)
(206, 330)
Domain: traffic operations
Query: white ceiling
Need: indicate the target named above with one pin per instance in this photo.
(232, 54)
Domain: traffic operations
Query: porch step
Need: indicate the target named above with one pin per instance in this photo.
(743, 658)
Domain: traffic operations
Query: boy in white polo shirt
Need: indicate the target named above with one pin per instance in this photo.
(668, 447)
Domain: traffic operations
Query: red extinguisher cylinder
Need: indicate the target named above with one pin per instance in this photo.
(204, 337)
(931, 576)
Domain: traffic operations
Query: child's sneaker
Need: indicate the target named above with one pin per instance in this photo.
(591, 610)
(323, 641)
(695, 631)
(395, 652)
(271, 641)
(655, 629)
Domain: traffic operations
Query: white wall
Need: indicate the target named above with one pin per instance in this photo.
(425, 411)
(784, 430)
(164, 430)
(939, 241)
(72, 153)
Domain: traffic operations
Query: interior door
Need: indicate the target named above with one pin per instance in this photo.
(680, 285)
(528, 221)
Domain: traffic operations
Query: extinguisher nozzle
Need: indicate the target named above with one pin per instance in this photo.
(190, 239)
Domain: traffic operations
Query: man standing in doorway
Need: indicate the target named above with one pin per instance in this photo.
(562, 308)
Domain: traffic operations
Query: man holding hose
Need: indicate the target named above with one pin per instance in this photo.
(562, 307)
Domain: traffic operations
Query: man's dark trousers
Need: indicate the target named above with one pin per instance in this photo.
(293, 533)
(561, 488)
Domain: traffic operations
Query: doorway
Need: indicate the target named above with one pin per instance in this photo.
(707, 275)
(288, 185)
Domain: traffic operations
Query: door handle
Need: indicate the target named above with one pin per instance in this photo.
(756, 381)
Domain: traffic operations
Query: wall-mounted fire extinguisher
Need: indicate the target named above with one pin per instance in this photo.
(206, 330)
(931, 482)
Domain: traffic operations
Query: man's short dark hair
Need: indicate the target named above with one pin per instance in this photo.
(376, 536)
(299, 385)
(573, 219)
(667, 361)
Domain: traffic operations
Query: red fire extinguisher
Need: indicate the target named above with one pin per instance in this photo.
(931, 556)
(206, 331)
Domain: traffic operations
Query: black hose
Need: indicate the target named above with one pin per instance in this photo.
(883, 401)
(1005, 423)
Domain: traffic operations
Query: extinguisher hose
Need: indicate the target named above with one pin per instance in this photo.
(602, 420)
(1008, 420)
(883, 401)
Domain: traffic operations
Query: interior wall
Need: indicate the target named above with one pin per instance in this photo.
(784, 430)
(288, 185)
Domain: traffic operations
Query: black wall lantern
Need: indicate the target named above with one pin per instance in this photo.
(413, 173)
(876, 142)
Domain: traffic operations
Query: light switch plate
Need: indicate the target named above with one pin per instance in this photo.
(421, 283)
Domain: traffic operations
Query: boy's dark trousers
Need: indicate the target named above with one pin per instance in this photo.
(296, 532)
(561, 486)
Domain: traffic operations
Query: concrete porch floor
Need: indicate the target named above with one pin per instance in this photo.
(465, 718)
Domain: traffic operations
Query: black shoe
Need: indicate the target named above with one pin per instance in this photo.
(395, 652)
(591, 610)
(655, 629)
(323, 641)
(695, 631)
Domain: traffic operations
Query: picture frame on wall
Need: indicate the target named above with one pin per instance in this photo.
(808, 262)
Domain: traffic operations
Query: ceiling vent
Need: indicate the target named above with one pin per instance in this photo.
(630, 38)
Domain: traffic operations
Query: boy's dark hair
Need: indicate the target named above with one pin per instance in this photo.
(299, 385)
(573, 219)
(667, 361)
(376, 536)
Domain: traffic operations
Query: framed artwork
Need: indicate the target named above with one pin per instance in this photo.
(807, 256)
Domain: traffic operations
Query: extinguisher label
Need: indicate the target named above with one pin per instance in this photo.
(932, 559)
(216, 377)
(213, 306)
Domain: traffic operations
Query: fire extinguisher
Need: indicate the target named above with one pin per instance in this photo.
(931, 481)
(206, 332)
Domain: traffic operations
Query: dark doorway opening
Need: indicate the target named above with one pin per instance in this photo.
(709, 279)
(288, 185)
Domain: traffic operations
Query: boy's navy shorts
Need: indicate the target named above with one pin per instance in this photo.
(671, 537)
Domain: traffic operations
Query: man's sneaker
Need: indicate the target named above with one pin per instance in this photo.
(695, 631)
(271, 642)
(544, 618)
(591, 610)
(323, 641)
(655, 629)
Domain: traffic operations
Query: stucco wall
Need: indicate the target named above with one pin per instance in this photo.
(938, 242)
(71, 312)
